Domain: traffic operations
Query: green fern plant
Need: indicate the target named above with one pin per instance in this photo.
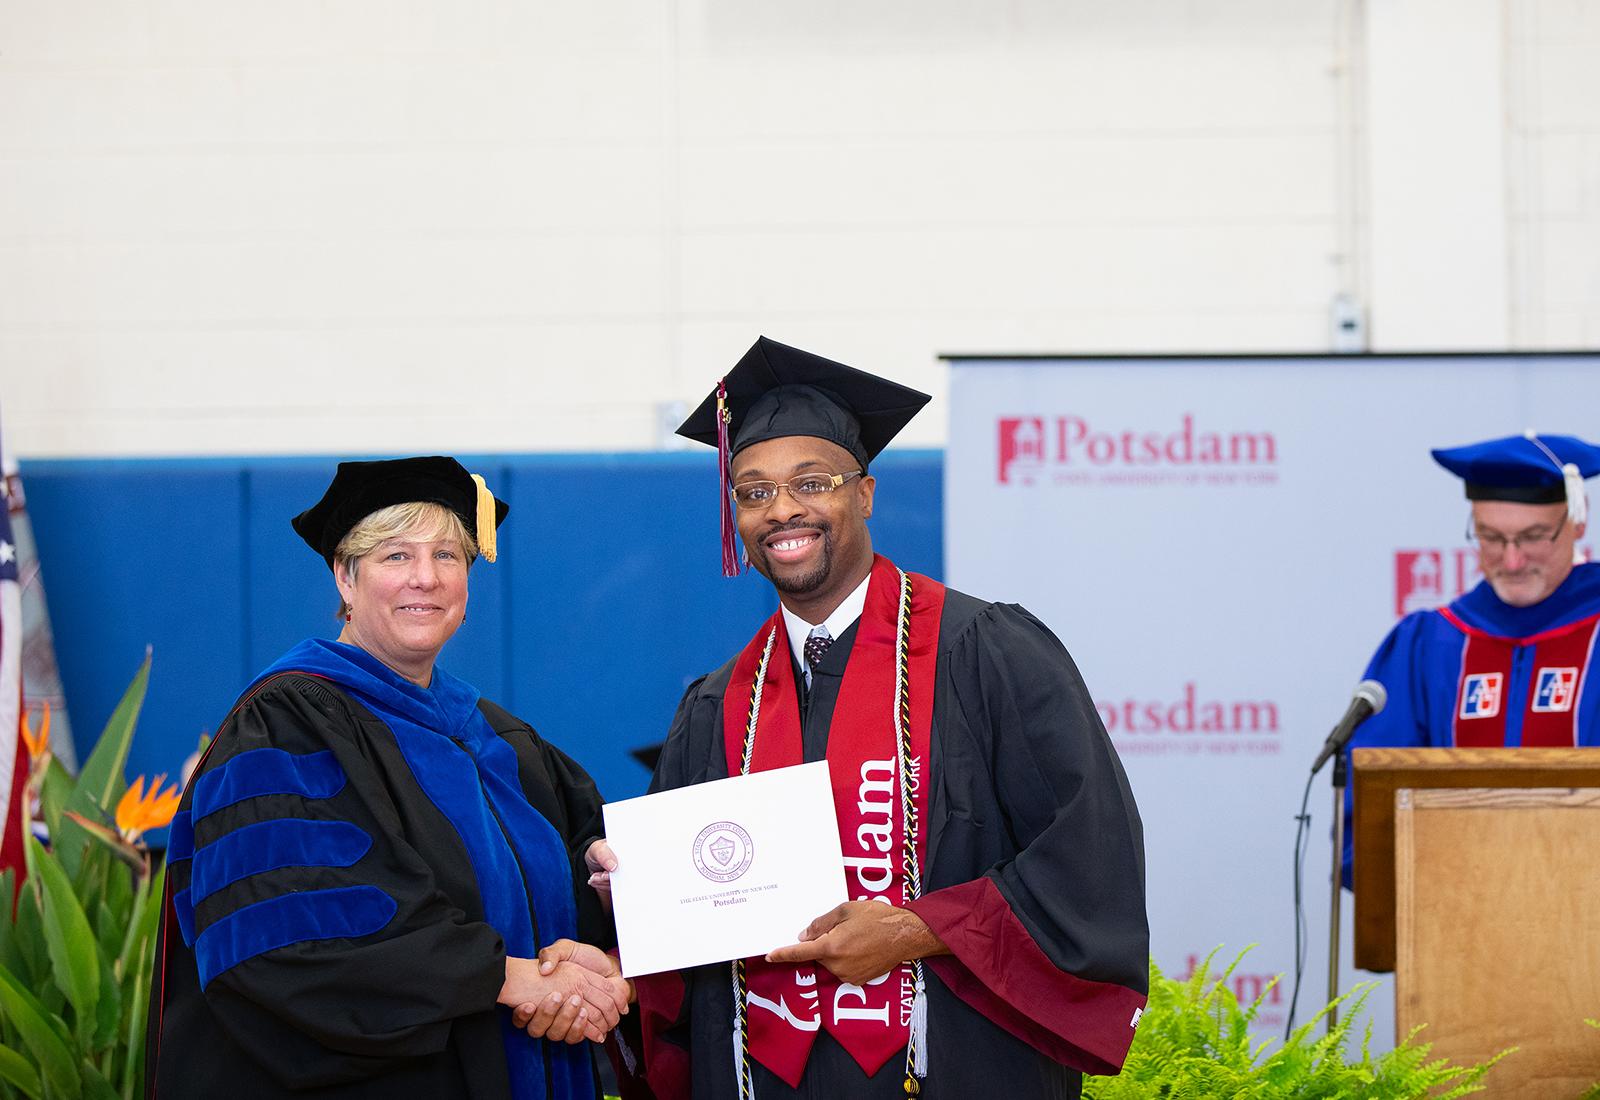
(1194, 1040)
(1593, 1092)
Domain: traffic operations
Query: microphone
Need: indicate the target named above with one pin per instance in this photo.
(1368, 700)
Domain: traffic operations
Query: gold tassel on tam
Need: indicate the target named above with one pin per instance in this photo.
(486, 539)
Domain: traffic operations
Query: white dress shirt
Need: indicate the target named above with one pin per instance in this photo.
(836, 624)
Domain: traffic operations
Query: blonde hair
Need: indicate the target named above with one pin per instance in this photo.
(421, 520)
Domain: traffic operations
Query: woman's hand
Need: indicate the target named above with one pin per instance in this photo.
(563, 1001)
(601, 861)
(586, 955)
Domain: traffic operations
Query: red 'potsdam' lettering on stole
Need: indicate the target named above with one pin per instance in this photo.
(788, 1004)
(1556, 680)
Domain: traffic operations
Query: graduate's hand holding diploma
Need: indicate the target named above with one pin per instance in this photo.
(601, 861)
(861, 940)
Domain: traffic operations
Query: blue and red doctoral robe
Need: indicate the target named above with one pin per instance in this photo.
(1483, 674)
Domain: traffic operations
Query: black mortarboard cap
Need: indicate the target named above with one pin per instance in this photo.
(360, 488)
(775, 391)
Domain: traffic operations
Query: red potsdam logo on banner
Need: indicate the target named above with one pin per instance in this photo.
(1425, 579)
(1070, 450)
(1188, 722)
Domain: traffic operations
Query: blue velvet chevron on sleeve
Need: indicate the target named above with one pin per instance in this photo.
(265, 846)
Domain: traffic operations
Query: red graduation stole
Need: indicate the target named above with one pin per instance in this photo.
(1557, 673)
(786, 1005)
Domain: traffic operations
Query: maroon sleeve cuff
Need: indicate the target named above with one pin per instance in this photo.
(666, 1064)
(996, 967)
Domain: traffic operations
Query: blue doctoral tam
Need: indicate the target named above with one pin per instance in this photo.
(1528, 468)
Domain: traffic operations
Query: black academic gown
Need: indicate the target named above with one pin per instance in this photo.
(1030, 812)
(408, 1013)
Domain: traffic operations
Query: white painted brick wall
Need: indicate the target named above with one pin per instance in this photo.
(1554, 135)
(369, 225)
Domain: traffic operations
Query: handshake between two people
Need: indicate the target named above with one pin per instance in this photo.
(575, 991)
(570, 993)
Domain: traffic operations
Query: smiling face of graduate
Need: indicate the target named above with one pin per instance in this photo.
(815, 550)
(406, 597)
(1524, 550)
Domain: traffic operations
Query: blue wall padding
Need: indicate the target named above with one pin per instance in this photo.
(606, 601)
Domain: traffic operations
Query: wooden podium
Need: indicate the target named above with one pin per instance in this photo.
(1477, 881)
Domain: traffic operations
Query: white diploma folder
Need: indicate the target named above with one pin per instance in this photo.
(723, 870)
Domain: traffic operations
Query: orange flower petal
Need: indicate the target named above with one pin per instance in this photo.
(38, 741)
(139, 811)
(128, 808)
(161, 805)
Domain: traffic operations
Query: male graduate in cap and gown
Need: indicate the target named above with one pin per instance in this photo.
(1507, 664)
(997, 941)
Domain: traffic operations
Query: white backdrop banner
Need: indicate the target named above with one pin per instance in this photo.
(1221, 543)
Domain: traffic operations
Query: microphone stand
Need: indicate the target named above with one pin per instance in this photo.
(1339, 777)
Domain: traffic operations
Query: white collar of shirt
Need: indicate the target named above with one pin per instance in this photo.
(837, 623)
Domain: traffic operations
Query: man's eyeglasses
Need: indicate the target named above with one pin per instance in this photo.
(1532, 541)
(806, 487)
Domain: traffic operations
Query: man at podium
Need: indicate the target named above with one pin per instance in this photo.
(1507, 663)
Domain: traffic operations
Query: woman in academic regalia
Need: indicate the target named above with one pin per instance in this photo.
(370, 857)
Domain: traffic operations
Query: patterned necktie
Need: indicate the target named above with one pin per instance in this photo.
(817, 644)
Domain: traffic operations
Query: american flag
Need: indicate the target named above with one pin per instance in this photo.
(13, 753)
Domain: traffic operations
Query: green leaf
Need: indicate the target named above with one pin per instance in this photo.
(29, 932)
(54, 792)
(101, 782)
(42, 1037)
(138, 1014)
(147, 920)
(55, 1003)
(146, 903)
(19, 1072)
(73, 955)
(119, 894)
(95, 1086)
(10, 948)
(89, 881)
(108, 1011)
(130, 854)
(109, 931)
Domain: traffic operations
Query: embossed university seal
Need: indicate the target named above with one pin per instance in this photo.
(723, 851)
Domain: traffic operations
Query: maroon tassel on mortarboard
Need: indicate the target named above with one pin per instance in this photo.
(730, 552)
